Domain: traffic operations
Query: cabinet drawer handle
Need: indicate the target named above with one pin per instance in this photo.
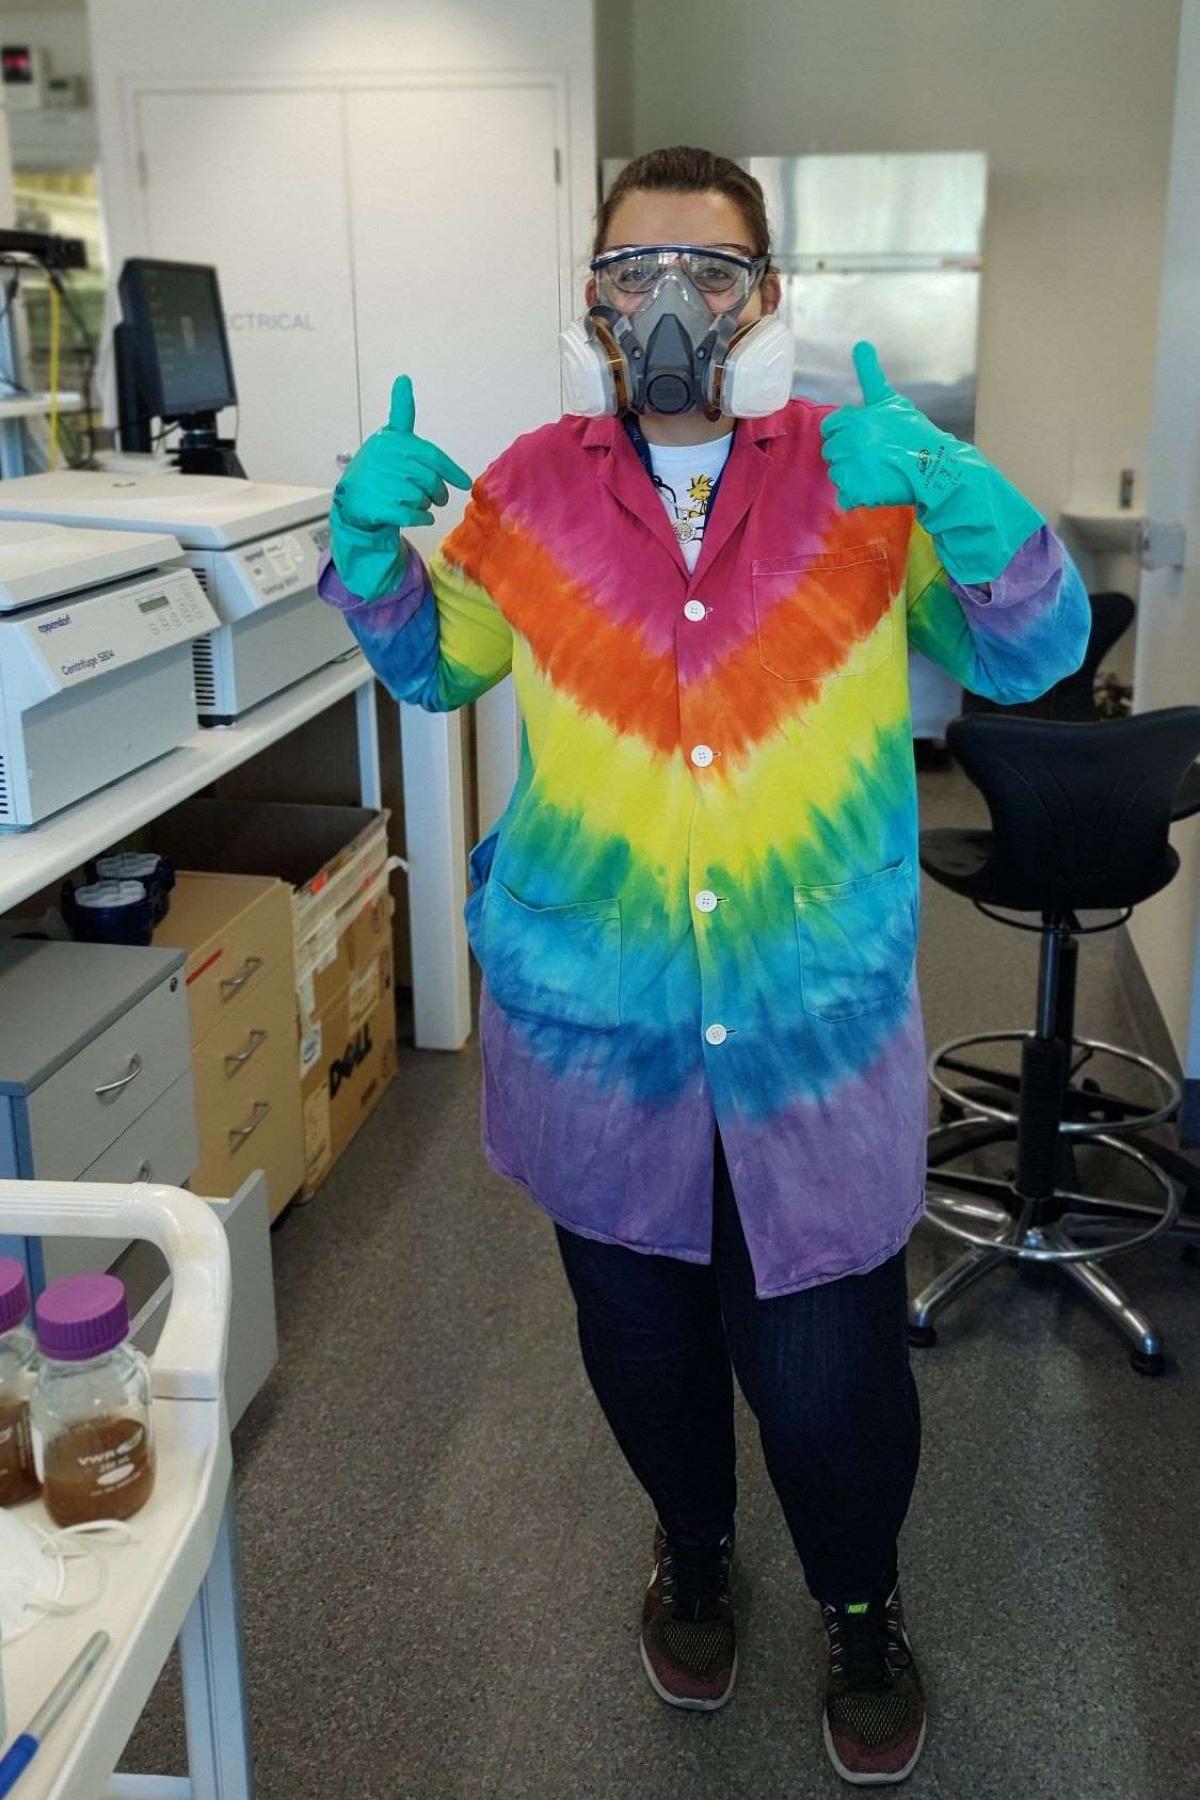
(123, 1081)
(240, 1133)
(240, 1058)
(233, 984)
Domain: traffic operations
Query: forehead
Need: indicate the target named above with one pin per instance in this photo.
(646, 216)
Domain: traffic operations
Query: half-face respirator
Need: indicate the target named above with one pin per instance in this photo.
(665, 337)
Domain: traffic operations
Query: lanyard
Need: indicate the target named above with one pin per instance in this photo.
(636, 438)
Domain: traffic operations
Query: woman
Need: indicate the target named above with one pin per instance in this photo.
(697, 917)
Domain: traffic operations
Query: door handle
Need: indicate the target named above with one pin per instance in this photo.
(233, 984)
(240, 1133)
(123, 1081)
(239, 1058)
(144, 1171)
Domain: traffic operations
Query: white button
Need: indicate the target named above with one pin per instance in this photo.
(706, 900)
(716, 1034)
(695, 610)
(702, 756)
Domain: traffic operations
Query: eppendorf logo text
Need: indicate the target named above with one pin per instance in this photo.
(269, 321)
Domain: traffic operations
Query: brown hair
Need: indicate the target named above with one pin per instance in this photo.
(682, 170)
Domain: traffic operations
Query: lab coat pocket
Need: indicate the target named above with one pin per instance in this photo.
(479, 866)
(561, 964)
(857, 941)
(824, 613)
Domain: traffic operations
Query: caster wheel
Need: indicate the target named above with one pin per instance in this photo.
(1147, 1365)
(1191, 1255)
(922, 1337)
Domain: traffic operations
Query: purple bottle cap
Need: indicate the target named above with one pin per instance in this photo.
(14, 1293)
(81, 1316)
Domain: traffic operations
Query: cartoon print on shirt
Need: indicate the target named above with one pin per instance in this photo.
(690, 517)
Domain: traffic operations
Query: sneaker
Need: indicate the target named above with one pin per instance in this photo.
(689, 1648)
(874, 1724)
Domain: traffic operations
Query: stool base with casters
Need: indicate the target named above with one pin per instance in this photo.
(989, 1214)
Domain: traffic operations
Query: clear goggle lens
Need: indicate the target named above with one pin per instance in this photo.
(718, 274)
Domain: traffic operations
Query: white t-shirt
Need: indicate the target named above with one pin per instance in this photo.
(686, 475)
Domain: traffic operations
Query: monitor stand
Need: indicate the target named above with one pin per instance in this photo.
(201, 452)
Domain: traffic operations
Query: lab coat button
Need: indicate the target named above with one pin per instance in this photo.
(702, 756)
(716, 1034)
(706, 900)
(695, 610)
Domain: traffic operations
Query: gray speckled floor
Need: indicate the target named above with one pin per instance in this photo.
(443, 1553)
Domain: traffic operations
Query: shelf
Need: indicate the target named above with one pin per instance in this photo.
(1099, 530)
(31, 860)
(36, 406)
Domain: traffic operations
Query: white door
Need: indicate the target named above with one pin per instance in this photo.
(1166, 929)
(220, 170)
(457, 220)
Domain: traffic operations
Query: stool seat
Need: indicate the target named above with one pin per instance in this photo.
(1079, 817)
(956, 856)
(1187, 795)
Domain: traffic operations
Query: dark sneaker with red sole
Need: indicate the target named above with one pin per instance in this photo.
(689, 1647)
(874, 1724)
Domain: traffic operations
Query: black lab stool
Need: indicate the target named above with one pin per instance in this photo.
(1080, 816)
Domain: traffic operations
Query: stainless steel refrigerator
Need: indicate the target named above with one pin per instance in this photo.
(889, 248)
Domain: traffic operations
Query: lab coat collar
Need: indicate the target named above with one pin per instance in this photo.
(604, 433)
(744, 473)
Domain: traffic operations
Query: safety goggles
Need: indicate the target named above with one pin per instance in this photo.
(633, 270)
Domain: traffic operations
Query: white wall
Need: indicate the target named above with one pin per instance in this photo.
(1165, 930)
(59, 29)
(1071, 100)
(195, 38)
(44, 139)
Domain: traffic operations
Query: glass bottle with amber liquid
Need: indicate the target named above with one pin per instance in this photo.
(92, 1427)
(18, 1358)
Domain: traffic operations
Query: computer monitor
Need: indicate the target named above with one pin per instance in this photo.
(176, 337)
(173, 363)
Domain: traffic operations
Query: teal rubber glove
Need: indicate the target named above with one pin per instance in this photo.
(887, 453)
(394, 481)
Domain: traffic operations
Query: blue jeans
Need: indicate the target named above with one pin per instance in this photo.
(825, 1372)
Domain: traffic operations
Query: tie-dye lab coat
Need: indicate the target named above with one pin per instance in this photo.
(701, 902)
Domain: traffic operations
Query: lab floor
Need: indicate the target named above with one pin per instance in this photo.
(444, 1555)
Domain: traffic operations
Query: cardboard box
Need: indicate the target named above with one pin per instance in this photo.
(235, 929)
(335, 959)
(335, 858)
(347, 1060)
(241, 978)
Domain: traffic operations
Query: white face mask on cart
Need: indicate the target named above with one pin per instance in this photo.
(33, 1571)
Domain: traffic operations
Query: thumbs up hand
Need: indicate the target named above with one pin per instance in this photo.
(887, 453)
(393, 482)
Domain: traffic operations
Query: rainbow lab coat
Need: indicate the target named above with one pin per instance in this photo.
(700, 905)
